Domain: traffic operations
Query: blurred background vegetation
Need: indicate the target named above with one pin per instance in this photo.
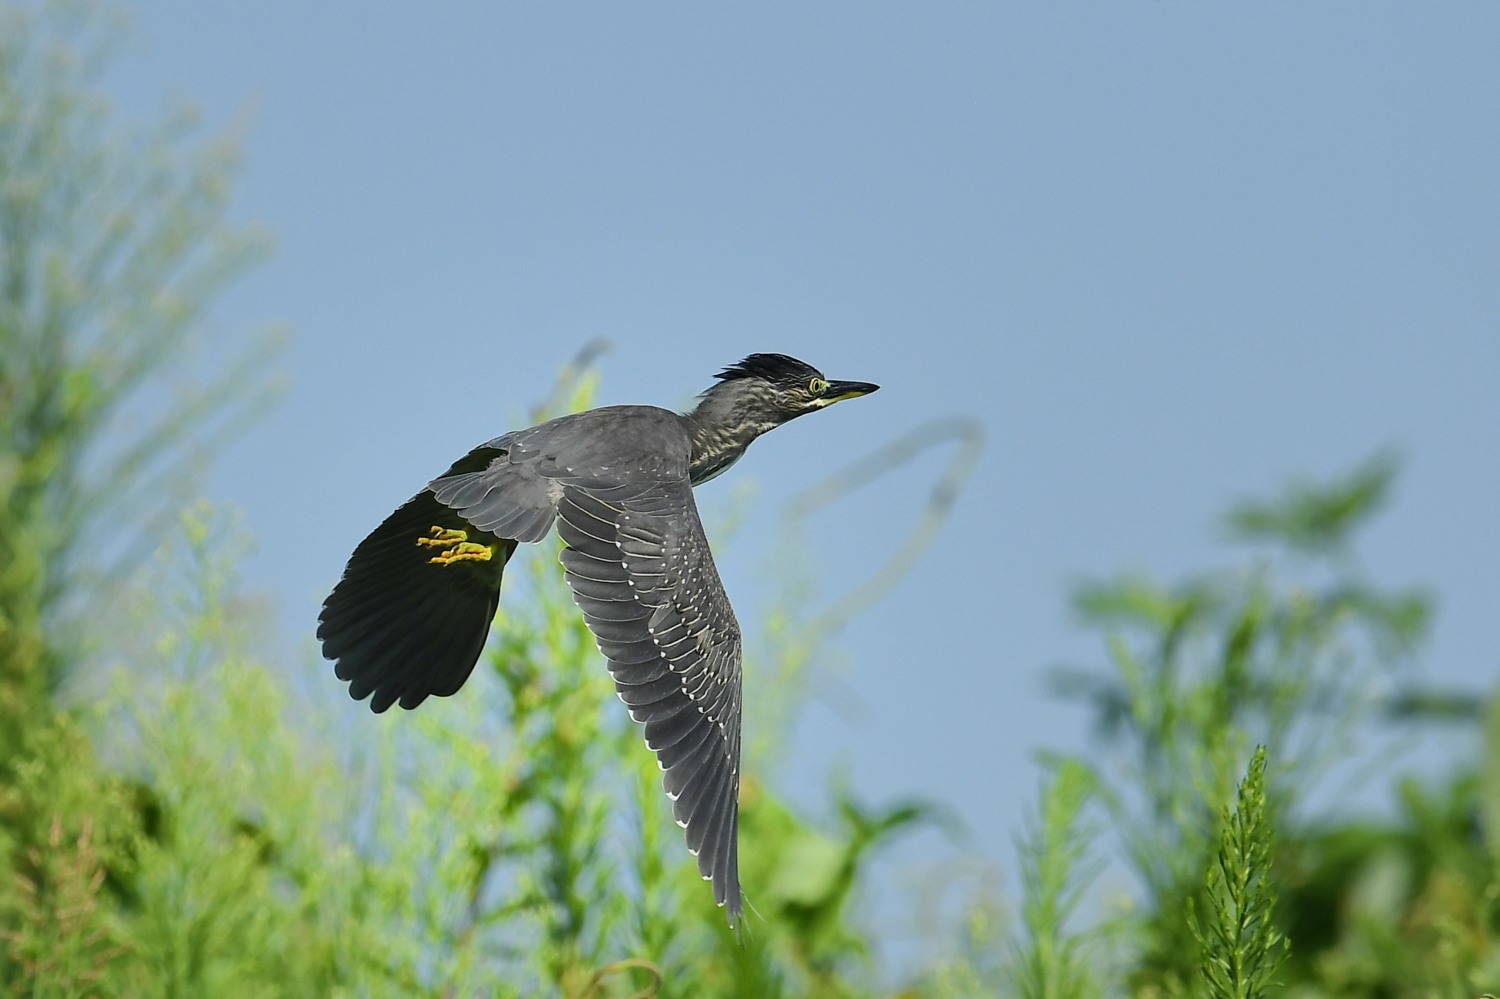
(175, 820)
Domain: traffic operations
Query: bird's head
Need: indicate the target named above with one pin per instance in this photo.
(758, 394)
(771, 389)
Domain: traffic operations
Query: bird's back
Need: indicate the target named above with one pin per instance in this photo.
(616, 444)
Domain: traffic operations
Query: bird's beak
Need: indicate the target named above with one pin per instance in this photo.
(839, 391)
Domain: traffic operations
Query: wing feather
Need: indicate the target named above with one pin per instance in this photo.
(716, 824)
(401, 628)
(675, 657)
(665, 732)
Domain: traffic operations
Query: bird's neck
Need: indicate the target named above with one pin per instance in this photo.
(721, 430)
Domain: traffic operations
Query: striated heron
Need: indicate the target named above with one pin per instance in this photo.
(410, 615)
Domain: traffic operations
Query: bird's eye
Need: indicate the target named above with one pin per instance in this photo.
(817, 386)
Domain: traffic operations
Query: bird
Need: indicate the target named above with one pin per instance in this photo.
(409, 617)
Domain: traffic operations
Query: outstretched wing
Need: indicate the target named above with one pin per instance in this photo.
(641, 571)
(408, 620)
(410, 615)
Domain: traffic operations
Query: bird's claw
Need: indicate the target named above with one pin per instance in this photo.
(467, 551)
(443, 537)
(454, 546)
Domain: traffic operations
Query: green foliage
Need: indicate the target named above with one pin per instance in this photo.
(1317, 518)
(1052, 962)
(59, 941)
(1240, 947)
(1301, 653)
(1288, 653)
(515, 845)
(1410, 906)
(112, 247)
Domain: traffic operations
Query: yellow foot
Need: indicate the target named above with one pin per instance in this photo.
(455, 546)
(443, 537)
(467, 551)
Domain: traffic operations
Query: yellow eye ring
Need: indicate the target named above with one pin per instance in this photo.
(817, 386)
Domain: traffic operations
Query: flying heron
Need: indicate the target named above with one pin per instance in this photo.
(410, 615)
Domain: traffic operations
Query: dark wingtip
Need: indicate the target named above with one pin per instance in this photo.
(396, 629)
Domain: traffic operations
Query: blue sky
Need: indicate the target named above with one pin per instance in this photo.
(1167, 254)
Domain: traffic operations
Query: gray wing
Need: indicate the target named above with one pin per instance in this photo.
(506, 495)
(641, 571)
